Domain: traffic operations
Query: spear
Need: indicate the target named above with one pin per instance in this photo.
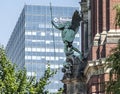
(51, 10)
(52, 30)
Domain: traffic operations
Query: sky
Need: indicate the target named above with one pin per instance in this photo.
(10, 11)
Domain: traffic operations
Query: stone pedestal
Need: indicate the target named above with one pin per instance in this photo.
(73, 79)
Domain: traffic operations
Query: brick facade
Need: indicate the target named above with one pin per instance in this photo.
(104, 37)
(97, 84)
(102, 19)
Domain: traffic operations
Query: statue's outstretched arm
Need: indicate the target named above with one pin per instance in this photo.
(58, 26)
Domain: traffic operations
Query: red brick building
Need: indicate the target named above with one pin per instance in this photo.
(99, 36)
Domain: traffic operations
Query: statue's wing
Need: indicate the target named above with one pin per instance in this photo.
(75, 21)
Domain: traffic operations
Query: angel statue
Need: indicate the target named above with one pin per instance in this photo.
(68, 31)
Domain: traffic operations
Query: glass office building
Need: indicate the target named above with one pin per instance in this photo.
(34, 42)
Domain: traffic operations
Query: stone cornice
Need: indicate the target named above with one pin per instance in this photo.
(113, 36)
(94, 68)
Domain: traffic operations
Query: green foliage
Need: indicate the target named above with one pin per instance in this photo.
(16, 82)
(117, 18)
(40, 86)
(7, 75)
(114, 63)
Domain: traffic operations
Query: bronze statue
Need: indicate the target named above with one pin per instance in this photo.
(68, 32)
